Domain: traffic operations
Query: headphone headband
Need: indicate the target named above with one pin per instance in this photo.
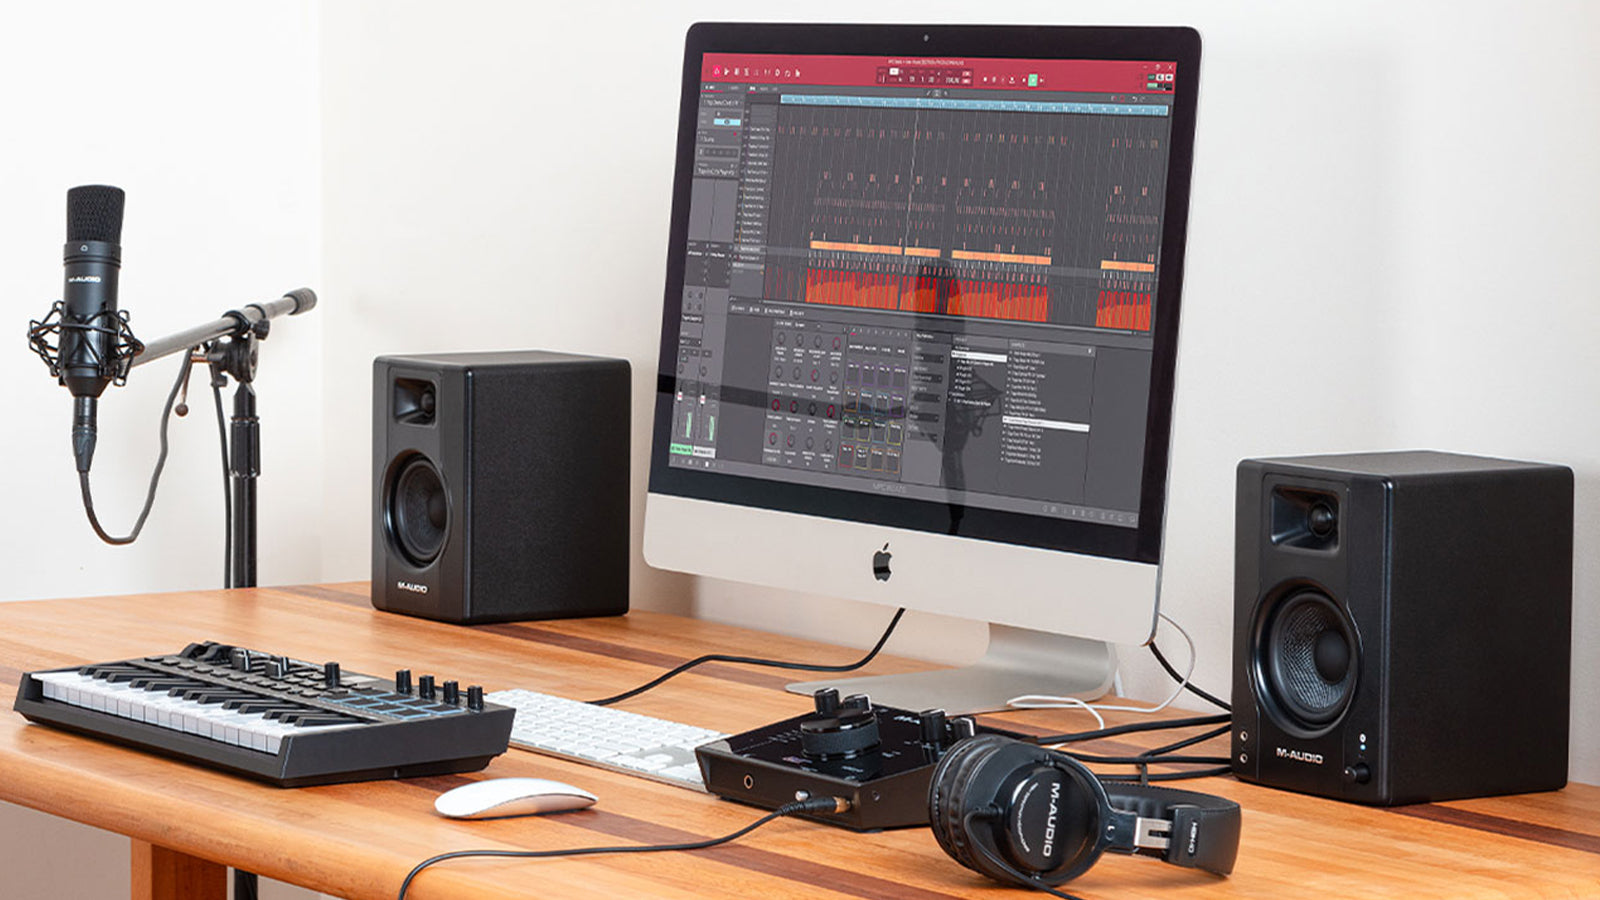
(1195, 830)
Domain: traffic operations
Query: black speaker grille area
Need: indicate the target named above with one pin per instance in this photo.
(1309, 659)
(419, 511)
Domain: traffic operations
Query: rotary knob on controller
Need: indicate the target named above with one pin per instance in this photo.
(425, 687)
(849, 730)
(402, 681)
(475, 697)
(962, 727)
(931, 724)
(827, 701)
(452, 693)
(330, 675)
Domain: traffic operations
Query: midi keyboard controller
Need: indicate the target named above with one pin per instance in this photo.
(285, 721)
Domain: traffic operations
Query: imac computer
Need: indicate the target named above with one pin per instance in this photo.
(920, 332)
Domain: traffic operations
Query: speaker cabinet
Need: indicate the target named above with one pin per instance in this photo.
(1402, 626)
(500, 486)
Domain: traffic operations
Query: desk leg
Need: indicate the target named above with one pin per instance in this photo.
(162, 874)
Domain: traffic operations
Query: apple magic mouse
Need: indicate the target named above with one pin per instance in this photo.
(495, 797)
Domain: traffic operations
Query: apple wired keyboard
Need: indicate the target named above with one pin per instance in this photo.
(613, 739)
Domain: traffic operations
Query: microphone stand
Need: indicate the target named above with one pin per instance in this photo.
(230, 345)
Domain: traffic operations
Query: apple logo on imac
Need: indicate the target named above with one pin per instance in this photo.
(880, 564)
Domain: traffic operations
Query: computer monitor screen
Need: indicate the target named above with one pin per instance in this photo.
(921, 316)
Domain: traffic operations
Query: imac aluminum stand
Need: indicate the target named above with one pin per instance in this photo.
(1019, 661)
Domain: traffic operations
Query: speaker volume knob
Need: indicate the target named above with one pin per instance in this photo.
(1358, 773)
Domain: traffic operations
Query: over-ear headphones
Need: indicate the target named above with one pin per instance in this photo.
(1025, 814)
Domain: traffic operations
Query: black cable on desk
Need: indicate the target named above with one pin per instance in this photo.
(1162, 755)
(1146, 778)
(1187, 685)
(815, 804)
(1132, 727)
(756, 661)
(1219, 731)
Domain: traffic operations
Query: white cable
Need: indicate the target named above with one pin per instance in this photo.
(1046, 701)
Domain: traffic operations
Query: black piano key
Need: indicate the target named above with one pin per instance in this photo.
(159, 683)
(253, 707)
(114, 672)
(330, 719)
(209, 695)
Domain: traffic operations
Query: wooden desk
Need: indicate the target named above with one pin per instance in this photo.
(359, 840)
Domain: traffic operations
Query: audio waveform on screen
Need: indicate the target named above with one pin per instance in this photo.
(1006, 300)
(973, 213)
(1132, 234)
(1123, 309)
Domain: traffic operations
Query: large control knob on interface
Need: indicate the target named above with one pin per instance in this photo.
(839, 730)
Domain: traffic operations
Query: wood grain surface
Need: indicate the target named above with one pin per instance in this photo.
(359, 840)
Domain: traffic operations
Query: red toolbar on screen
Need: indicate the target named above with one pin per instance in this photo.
(1095, 75)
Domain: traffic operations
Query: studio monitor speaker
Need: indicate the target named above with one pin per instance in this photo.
(500, 486)
(1402, 626)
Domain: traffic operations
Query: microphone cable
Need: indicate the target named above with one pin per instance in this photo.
(814, 804)
(155, 476)
(227, 486)
(755, 661)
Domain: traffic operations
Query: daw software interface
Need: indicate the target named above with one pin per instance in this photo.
(929, 278)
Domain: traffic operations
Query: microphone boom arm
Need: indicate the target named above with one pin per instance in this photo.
(233, 322)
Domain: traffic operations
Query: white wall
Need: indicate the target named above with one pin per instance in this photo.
(1393, 218)
(207, 115)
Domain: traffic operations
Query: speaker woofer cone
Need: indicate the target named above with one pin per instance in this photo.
(419, 511)
(1307, 659)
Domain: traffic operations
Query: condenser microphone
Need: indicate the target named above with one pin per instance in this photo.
(90, 327)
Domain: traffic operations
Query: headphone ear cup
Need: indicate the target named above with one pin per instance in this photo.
(947, 797)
